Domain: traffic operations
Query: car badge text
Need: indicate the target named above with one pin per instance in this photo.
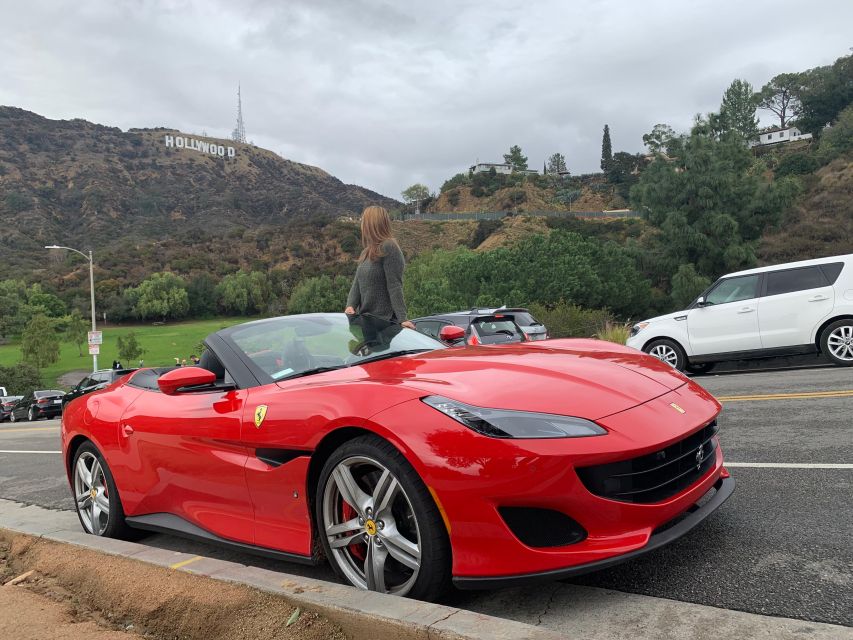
(676, 407)
(260, 414)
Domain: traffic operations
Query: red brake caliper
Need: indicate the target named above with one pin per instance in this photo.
(348, 513)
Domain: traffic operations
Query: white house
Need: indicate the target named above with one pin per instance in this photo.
(775, 136)
(485, 167)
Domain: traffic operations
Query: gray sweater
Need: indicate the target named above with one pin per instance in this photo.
(377, 288)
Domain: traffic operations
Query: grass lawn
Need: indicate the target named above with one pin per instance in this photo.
(162, 344)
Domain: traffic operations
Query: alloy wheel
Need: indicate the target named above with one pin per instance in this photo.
(370, 526)
(91, 493)
(31, 416)
(840, 342)
(664, 353)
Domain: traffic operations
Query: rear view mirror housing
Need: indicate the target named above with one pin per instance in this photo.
(700, 301)
(451, 334)
(173, 381)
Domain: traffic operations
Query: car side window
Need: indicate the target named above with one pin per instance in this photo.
(790, 280)
(734, 290)
(832, 271)
(429, 327)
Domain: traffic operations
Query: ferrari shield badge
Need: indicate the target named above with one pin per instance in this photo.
(260, 414)
(671, 404)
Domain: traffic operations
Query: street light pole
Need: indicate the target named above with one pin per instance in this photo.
(91, 290)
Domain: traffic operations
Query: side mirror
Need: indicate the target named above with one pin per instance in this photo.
(700, 301)
(451, 334)
(172, 381)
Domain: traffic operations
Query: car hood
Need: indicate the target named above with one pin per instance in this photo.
(584, 378)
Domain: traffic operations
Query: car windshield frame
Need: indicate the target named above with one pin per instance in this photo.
(348, 341)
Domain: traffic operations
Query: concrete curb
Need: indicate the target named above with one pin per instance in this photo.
(361, 614)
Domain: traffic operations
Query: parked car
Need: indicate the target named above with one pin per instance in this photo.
(483, 326)
(3, 392)
(787, 309)
(93, 382)
(480, 468)
(6, 404)
(38, 404)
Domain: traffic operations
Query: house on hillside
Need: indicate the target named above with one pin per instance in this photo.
(485, 167)
(777, 136)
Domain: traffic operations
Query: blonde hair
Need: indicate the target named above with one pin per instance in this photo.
(375, 229)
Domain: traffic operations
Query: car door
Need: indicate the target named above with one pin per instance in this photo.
(728, 319)
(793, 303)
(22, 406)
(186, 458)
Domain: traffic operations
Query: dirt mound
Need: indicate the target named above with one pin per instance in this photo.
(122, 594)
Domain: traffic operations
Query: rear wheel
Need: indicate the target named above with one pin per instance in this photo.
(95, 495)
(378, 523)
(667, 351)
(836, 342)
(12, 417)
(31, 415)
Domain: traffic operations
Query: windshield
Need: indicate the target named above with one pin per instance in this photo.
(292, 346)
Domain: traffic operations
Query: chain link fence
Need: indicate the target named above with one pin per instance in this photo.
(498, 215)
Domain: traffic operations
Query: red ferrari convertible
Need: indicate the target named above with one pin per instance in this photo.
(407, 464)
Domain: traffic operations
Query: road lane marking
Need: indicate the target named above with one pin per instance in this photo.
(846, 393)
(28, 429)
(33, 451)
(789, 465)
(184, 563)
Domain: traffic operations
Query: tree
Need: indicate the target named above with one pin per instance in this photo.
(416, 193)
(162, 295)
(201, 295)
(557, 163)
(838, 140)
(781, 96)
(244, 292)
(21, 379)
(659, 138)
(129, 349)
(606, 150)
(77, 330)
(686, 285)
(516, 158)
(319, 294)
(737, 110)
(39, 342)
(826, 91)
(709, 207)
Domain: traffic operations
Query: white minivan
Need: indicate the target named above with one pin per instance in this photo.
(787, 309)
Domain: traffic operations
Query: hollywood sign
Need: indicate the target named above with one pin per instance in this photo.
(210, 148)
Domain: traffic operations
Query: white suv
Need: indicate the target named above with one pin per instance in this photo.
(800, 307)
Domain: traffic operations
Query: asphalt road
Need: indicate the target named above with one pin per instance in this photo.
(780, 546)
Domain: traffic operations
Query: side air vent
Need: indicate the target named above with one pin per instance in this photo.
(537, 527)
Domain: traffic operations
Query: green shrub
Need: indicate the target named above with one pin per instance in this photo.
(796, 164)
(617, 332)
(20, 379)
(453, 197)
(569, 320)
(319, 294)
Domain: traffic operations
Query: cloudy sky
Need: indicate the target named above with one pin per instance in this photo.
(384, 94)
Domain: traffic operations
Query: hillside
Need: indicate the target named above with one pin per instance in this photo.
(74, 182)
(821, 221)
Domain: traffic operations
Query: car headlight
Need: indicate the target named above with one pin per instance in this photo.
(501, 423)
(638, 327)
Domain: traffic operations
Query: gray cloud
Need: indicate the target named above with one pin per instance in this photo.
(384, 94)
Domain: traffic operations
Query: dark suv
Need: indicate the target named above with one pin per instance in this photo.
(480, 326)
(93, 382)
(38, 404)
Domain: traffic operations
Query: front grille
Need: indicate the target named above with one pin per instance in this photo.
(656, 476)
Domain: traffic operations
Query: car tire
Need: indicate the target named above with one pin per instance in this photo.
(836, 342)
(667, 351)
(12, 417)
(402, 547)
(90, 472)
(31, 415)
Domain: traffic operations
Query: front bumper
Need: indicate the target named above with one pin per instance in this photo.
(724, 487)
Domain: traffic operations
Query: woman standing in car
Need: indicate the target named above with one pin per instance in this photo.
(377, 288)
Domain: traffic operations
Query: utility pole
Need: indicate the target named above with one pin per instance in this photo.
(91, 290)
(239, 133)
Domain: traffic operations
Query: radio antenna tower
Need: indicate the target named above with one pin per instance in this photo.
(239, 133)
